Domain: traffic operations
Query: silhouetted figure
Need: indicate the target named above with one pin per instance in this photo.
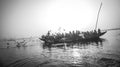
(48, 34)
(95, 33)
(99, 31)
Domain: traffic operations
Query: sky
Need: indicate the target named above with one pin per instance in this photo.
(28, 18)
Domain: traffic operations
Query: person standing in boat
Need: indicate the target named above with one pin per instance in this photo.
(95, 32)
(48, 34)
(99, 31)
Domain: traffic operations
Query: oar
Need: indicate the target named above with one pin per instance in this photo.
(111, 29)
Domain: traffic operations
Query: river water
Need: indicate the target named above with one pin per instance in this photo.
(103, 53)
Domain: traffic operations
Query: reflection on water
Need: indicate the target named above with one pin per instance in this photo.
(97, 53)
(74, 53)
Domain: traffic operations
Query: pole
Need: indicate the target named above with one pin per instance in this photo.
(98, 16)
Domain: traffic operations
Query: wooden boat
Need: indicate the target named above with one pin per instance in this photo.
(90, 37)
(98, 42)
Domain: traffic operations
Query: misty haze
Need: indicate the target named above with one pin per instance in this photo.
(60, 33)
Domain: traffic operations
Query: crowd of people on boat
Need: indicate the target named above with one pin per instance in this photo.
(71, 35)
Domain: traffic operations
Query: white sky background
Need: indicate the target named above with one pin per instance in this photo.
(25, 18)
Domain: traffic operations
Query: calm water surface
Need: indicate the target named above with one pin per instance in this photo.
(105, 53)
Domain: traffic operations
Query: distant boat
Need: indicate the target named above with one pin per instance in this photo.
(74, 37)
